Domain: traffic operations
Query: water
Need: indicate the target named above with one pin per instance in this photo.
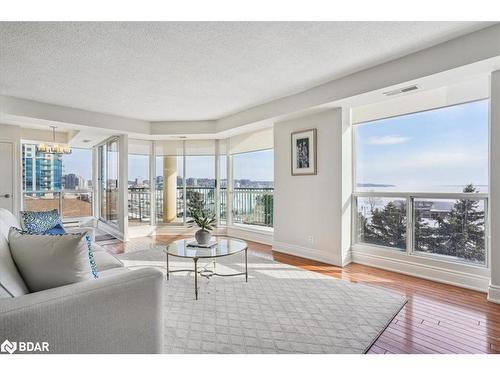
(419, 189)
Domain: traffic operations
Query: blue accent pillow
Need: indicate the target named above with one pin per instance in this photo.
(38, 222)
(58, 229)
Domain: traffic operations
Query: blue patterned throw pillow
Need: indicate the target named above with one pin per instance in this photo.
(93, 265)
(58, 229)
(38, 222)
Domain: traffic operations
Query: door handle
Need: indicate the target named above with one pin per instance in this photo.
(6, 196)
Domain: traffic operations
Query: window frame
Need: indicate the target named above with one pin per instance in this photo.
(410, 208)
(231, 192)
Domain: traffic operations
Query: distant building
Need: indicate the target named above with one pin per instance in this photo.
(434, 209)
(41, 172)
(72, 181)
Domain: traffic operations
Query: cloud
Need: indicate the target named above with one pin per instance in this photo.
(387, 140)
(429, 160)
(446, 159)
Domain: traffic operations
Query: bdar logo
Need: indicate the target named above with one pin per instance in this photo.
(8, 347)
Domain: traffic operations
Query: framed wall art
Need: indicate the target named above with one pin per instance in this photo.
(304, 152)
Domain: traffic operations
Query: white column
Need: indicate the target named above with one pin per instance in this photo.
(494, 289)
(347, 178)
(169, 189)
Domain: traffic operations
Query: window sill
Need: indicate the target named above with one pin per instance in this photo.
(253, 228)
(426, 267)
(441, 259)
(249, 232)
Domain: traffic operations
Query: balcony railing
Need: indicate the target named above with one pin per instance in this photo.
(70, 203)
(253, 206)
(447, 226)
(139, 205)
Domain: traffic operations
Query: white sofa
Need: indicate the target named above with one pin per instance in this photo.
(120, 312)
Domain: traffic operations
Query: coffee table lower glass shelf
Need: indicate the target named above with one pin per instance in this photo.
(224, 247)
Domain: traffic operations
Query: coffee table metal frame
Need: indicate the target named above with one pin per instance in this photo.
(207, 272)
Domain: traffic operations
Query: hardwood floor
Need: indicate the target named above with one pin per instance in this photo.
(437, 318)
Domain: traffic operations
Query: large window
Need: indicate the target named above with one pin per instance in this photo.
(421, 182)
(192, 175)
(108, 180)
(253, 187)
(200, 183)
(62, 182)
(139, 182)
(185, 179)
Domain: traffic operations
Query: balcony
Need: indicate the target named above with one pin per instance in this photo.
(251, 206)
(71, 204)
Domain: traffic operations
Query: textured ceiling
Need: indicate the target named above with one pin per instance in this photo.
(195, 70)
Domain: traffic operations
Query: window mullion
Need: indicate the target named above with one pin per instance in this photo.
(410, 225)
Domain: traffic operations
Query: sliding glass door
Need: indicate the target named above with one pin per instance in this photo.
(108, 181)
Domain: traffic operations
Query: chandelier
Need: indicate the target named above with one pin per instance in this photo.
(54, 147)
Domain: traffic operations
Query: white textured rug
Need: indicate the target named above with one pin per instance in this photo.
(282, 309)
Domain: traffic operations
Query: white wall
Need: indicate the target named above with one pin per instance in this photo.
(308, 209)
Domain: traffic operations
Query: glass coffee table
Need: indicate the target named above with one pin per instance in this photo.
(225, 246)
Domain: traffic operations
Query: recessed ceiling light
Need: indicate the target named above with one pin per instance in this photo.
(87, 141)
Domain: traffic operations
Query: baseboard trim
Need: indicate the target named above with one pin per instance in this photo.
(264, 237)
(452, 277)
(347, 259)
(494, 293)
(306, 252)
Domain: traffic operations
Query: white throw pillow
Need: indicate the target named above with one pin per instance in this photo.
(50, 261)
(10, 279)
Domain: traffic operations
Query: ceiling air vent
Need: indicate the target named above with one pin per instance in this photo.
(401, 90)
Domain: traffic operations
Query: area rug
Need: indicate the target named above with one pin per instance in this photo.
(281, 309)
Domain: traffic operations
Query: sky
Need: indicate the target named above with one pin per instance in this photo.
(78, 162)
(256, 166)
(438, 149)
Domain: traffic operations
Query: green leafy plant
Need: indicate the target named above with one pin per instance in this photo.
(202, 219)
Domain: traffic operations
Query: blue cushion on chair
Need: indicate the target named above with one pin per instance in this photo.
(38, 222)
(58, 229)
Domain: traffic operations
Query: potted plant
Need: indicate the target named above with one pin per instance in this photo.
(205, 221)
